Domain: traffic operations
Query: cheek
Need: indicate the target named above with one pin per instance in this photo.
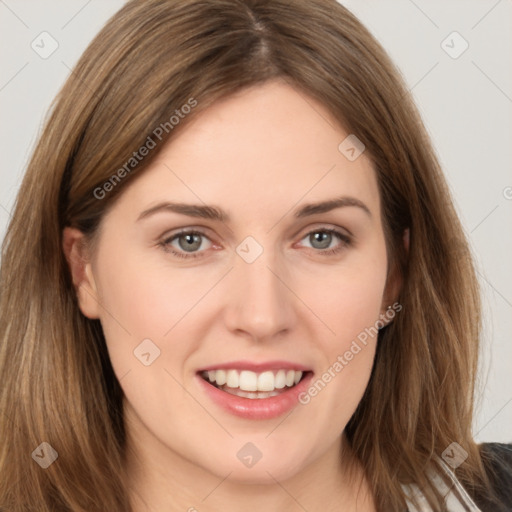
(144, 294)
(349, 303)
(144, 298)
(137, 304)
(347, 298)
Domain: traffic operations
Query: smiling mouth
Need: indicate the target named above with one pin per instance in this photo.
(255, 385)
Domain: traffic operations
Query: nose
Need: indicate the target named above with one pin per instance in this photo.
(260, 303)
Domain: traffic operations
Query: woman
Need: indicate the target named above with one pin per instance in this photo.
(229, 282)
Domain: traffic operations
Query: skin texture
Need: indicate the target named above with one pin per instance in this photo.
(259, 155)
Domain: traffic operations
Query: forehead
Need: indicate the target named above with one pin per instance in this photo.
(261, 151)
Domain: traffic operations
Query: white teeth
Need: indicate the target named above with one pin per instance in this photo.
(219, 377)
(232, 380)
(248, 394)
(248, 381)
(264, 382)
(280, 379)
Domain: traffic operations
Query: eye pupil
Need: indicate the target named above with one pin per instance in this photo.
(193, 241)
(323, 237)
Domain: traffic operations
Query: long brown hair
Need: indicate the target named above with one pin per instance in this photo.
(151, 58)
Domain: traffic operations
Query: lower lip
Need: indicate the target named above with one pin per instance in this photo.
(257, 408)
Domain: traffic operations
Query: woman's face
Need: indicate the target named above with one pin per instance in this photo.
(263, 290)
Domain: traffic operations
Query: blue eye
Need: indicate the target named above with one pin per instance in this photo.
(327, 236)
(190, 243)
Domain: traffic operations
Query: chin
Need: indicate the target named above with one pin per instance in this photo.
(261, 474)
(263, 465)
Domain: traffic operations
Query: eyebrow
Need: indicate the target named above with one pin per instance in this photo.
(218, 214)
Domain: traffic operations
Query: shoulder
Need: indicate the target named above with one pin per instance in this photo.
(497, 460)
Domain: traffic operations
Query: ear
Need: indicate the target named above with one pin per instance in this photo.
(77, 257)
(392, 290)
(405, 238)
(395, 280)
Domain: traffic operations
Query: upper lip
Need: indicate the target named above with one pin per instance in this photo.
(256, 367)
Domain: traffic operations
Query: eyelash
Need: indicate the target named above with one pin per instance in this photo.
(342, 237)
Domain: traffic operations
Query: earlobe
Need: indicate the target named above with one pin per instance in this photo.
(406, 240)
(76, 253)
(395, 279)
(391, 293)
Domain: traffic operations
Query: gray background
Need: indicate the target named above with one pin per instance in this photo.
(466, 104)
